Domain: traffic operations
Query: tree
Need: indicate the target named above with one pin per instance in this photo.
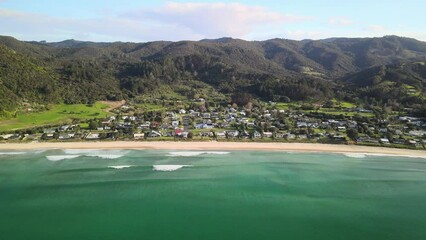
(190, 135)
(352, 133)
(93, 124)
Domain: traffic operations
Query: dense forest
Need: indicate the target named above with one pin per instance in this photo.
(380, 71)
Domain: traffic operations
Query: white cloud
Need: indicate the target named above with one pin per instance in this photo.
(215, 19)
(171, 21)
(340, 21)
(30, 26)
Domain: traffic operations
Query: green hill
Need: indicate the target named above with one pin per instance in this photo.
(83, 72)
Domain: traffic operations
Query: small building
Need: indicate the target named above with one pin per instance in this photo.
(92, 136)
(221, 135)
(267, 135)
(154, 134)
(138, 136)
(257, 134)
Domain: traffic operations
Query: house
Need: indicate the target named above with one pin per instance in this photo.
(175, 123)
(341, 128)
(182, 111)
(49, 131)
(178, 132)
(221, 135)
(417, 133)
(144, 126)
(384, 141)
(32, 137)
(412, 142)
(138, 136)
(65, 136)
(290, 136)
(280, 135)
(64, 128)
(251, 124)
(92, 136)
(186, 120)
(399, 141)
(267, 116)
(257, 134)
(153, 134)
(338, 138)
(206, 115)
(301, 124)
(244, 134)
(267, 135)
(232, 133)
(6, 136)
(206, 134)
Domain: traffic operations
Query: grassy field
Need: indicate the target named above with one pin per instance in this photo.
(60, 113)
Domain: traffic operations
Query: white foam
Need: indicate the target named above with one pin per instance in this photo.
(193, 153)
(168, 168)
(105, 156)
(355, 155)
(120, 166)
(61, 157)
(12, 153)
(94, 151)
(394, 155)
(364, 155)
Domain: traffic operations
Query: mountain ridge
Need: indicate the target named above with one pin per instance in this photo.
(270, 69)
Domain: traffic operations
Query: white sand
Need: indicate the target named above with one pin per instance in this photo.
(216, 146)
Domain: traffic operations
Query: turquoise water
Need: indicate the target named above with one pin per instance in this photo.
(235, 195)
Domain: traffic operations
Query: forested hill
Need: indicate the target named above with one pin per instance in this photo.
(81, 72)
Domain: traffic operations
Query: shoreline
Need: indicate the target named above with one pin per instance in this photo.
(159, 145)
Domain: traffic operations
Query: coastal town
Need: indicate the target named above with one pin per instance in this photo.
(201, 120)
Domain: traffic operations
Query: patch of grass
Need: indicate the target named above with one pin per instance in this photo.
(344, 104)
(287, 106)
(60, 113)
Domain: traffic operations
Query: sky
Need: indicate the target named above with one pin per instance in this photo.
(142, 21)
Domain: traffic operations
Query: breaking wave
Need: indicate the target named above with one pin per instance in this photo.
(168, 168)
(355, 155)
(120, 166)
(194, 153)
(105, 156)
(61, 157)
(12, 153)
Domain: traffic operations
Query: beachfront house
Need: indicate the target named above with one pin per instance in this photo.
(138, 136)
(92, 136)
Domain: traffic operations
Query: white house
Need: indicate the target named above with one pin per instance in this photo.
(267, 134)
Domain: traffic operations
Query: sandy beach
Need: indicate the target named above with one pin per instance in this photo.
(302, 147)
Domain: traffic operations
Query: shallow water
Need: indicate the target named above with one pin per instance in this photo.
(116, 194)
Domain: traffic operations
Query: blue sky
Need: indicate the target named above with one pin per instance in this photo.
(141, 21)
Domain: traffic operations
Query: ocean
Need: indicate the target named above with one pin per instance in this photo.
(160, 194)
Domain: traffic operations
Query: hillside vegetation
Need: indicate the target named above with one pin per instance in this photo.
(388, 70)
